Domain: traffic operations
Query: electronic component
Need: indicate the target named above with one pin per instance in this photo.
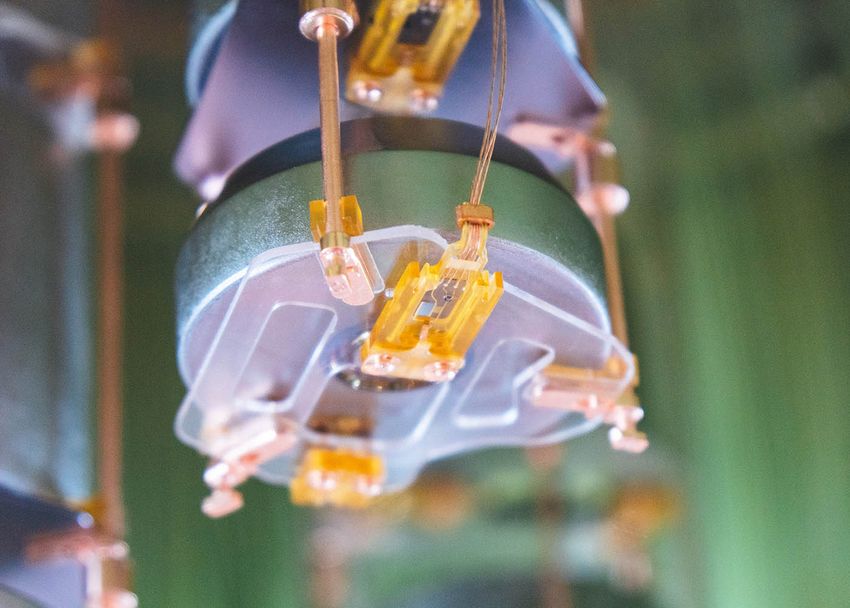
(450, 358)
(284, 347)
(337, 477)
(599, 393)
(596, 394)
(408, 53)
(238, 450)
(435, 312)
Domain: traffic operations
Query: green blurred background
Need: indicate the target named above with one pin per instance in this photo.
(733, 123)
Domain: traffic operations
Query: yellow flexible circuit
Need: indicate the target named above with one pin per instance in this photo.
(408, 53)
(337, 477)
(435, 313)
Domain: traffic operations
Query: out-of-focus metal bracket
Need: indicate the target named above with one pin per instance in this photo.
(259, 84)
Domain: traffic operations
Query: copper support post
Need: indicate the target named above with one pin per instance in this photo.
(110, 341)
(603, 221)
(327, 35)
(325, 22)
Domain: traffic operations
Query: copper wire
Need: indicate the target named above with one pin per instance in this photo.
(498, 71)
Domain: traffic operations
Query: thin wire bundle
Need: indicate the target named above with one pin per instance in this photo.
(498, 63)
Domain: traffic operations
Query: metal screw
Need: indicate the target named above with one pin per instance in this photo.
(422, 101)
(441, 371)
(370, 92)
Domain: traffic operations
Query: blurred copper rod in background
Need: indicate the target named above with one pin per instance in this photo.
(604, 221)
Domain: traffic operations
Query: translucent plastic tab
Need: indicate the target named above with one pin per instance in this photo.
(408, 53)
(507, 368)
(284, 347)
(251, 439)
(269, 377)
(434, 315)
(349, 270)
(589, 391)
(337, 477)
(239, 449)
(346, 273)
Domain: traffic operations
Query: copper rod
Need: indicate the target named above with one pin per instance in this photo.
(550, 511)
(604, 223)
(613, 278)
(327, 35)
(577, 17)
(110, 22)
(110, 342)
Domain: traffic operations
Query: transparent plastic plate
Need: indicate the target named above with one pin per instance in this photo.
(286, 348)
